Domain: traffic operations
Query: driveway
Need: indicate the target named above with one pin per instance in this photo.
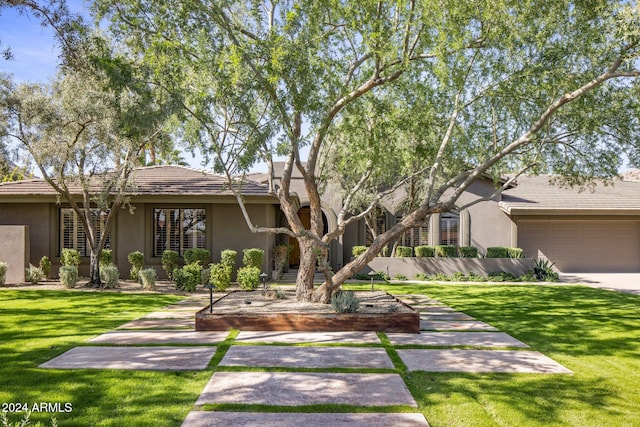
(622, 282)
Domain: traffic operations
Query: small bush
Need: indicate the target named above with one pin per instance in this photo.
(249, 278)
(188, 277)
(502, 252)
(45, 266)
(468, 252)
(473, 277)
(170, 262)
(106, 257)
(220, 276)
(422, 276)
(196, 254)
(446, 251)
(345, 302)
(400, 276)
(148, 277)
(70, 257)
(279, 293)
(501, 276)
(515, 253)
(110, 275)
(33, 274)
(425, 251)
(253, 258)
(136, 259)
(3, 272)
(440, 277)
(404, 252)
(69, 276)
(543, 270)
(228, 257)
(356, 251)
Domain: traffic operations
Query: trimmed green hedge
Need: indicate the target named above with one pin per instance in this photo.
(356, 251)
(468, 252)
(446, 251)
(504, 252)
(253, 258)
(425, 251)
(196, 254)
(404, 252)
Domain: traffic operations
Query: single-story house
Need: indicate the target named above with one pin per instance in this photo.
(179, 208)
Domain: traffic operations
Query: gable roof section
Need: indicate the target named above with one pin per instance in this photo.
(534, 195)
(166, 180)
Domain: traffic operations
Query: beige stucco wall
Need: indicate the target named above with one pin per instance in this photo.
(14, 250)
(37, 216)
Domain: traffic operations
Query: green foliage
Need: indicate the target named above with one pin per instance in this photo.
(148, 277)
(543, 270)
(356, 251)
(515, 252)
(106, 257)
(136, 259)
(69, 276)
(345, 302)
(110, 275)
(501, 276)
(425, 251)
(188, 277)
(33, 274)
(504, 252)
(468, 252)
(3, 272)
(220, 275)
(253, 258)
(249, 278)
(400, 276)
(228, 257)
(70, 257)
(170, 262)
(196, 254)
(45, 266)
(446, 251)
(404, 252)
(279, 293)
(422, 276)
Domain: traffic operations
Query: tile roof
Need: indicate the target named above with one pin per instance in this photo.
(166, 180)
(535, 195)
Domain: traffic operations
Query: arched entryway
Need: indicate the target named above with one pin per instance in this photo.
(305, 216)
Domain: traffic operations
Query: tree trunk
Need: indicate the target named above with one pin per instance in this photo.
(307, 271)
(94, 270)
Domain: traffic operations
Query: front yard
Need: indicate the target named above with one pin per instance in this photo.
(593, 332)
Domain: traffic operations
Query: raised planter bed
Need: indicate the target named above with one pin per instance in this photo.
(252, 311)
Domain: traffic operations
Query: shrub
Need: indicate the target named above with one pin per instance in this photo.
(356, 251)
(45, 266)
(253, 258)
(404, 252)
(170, 261)
(458, 276)
(400, 277)
(447, 251)
(497, 252)
(249, 278)
(136, 259)
(3, 272)
(70, 257)
(106, 257)
(279, 293)
(422, 276)
(196, 254)
(228, 258)
(69, 276)
(543, 270)
(187, 278)
(345, 302)
(280, 256)
(148, 278)
(473, 277)
(440, 277)
(468, 252)
(425, 251)
(33, 274)
(515, 252)
(501, 276)
(220, 275)
(110, 275)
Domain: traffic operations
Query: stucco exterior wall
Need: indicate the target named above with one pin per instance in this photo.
(482, 266)
(14, 250)
(37, 216)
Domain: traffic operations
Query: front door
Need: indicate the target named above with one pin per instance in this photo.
(294, 257)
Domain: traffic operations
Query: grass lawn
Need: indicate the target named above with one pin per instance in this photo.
(593, 332)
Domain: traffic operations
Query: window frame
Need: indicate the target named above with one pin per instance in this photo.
(178, 240)
(448, 222)
(78, 232)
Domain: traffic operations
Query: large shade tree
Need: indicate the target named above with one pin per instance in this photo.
(428, 93)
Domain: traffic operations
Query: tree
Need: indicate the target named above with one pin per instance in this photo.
(461, 89)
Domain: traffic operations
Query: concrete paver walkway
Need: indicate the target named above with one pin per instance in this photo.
(225, 419)
(450, 339)
(452, 325)
(161, 337)
(308, 337)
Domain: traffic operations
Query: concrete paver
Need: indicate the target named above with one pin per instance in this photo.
(308, 337)
(307, 357)
(450, 325)
(306, 388)
(176, 314)
(161, 337)
(224, 419)
(159, 324)
(477, 361)
(453, 315)
(478, 339)
(138, 358)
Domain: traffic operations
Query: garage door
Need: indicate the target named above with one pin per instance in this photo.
(583, 246)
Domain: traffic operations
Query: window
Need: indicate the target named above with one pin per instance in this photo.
(73, 235)
(178, 229)
(416, 236)
(449, 229)
(380, 224)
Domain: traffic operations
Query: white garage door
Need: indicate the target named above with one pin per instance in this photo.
(583, 246)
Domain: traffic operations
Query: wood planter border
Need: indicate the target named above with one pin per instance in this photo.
(408, 322)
